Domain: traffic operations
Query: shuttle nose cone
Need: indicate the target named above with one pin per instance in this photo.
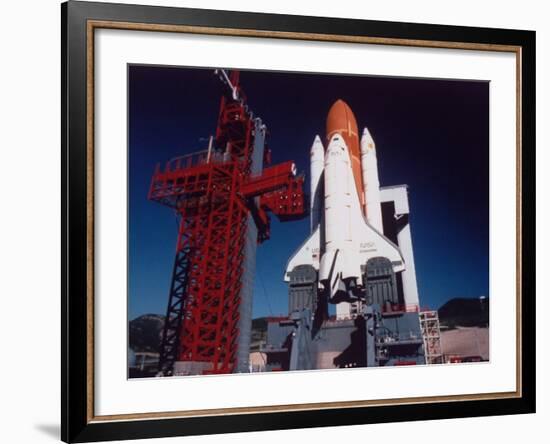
(341, 120)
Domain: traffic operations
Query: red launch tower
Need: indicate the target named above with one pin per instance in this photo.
(220, 196)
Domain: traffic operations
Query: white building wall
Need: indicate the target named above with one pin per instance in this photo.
(399, 195)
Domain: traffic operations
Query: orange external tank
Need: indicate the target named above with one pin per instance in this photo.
(341, 120)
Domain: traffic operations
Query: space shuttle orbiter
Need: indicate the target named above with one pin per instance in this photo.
(346, 217)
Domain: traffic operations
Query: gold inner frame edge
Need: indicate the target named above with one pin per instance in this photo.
(121, 25)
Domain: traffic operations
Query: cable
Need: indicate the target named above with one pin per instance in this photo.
(265, 292)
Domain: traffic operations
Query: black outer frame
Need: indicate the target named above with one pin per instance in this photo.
(74, 423)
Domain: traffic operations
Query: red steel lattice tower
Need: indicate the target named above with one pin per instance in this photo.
(213, 193)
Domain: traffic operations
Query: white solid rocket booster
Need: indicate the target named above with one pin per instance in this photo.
(369, 169)
(316, 185)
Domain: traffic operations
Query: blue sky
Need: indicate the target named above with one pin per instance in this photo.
(430, 134)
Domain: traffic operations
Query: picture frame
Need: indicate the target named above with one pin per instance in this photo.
(80, 21)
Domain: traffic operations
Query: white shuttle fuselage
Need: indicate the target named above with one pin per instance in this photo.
(346, 217)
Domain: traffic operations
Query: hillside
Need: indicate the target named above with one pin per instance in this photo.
(144, 333)
(464, 312)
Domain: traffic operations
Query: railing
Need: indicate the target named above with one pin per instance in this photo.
(170, 182)
(400, 308)
(276, 318)
(429, 315)
(187, 161)
(193, 159)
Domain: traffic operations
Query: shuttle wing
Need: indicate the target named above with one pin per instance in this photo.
(307, 254)
(374, 244)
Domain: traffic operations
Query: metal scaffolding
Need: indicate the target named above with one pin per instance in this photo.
(213, 193)
(429, 322)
